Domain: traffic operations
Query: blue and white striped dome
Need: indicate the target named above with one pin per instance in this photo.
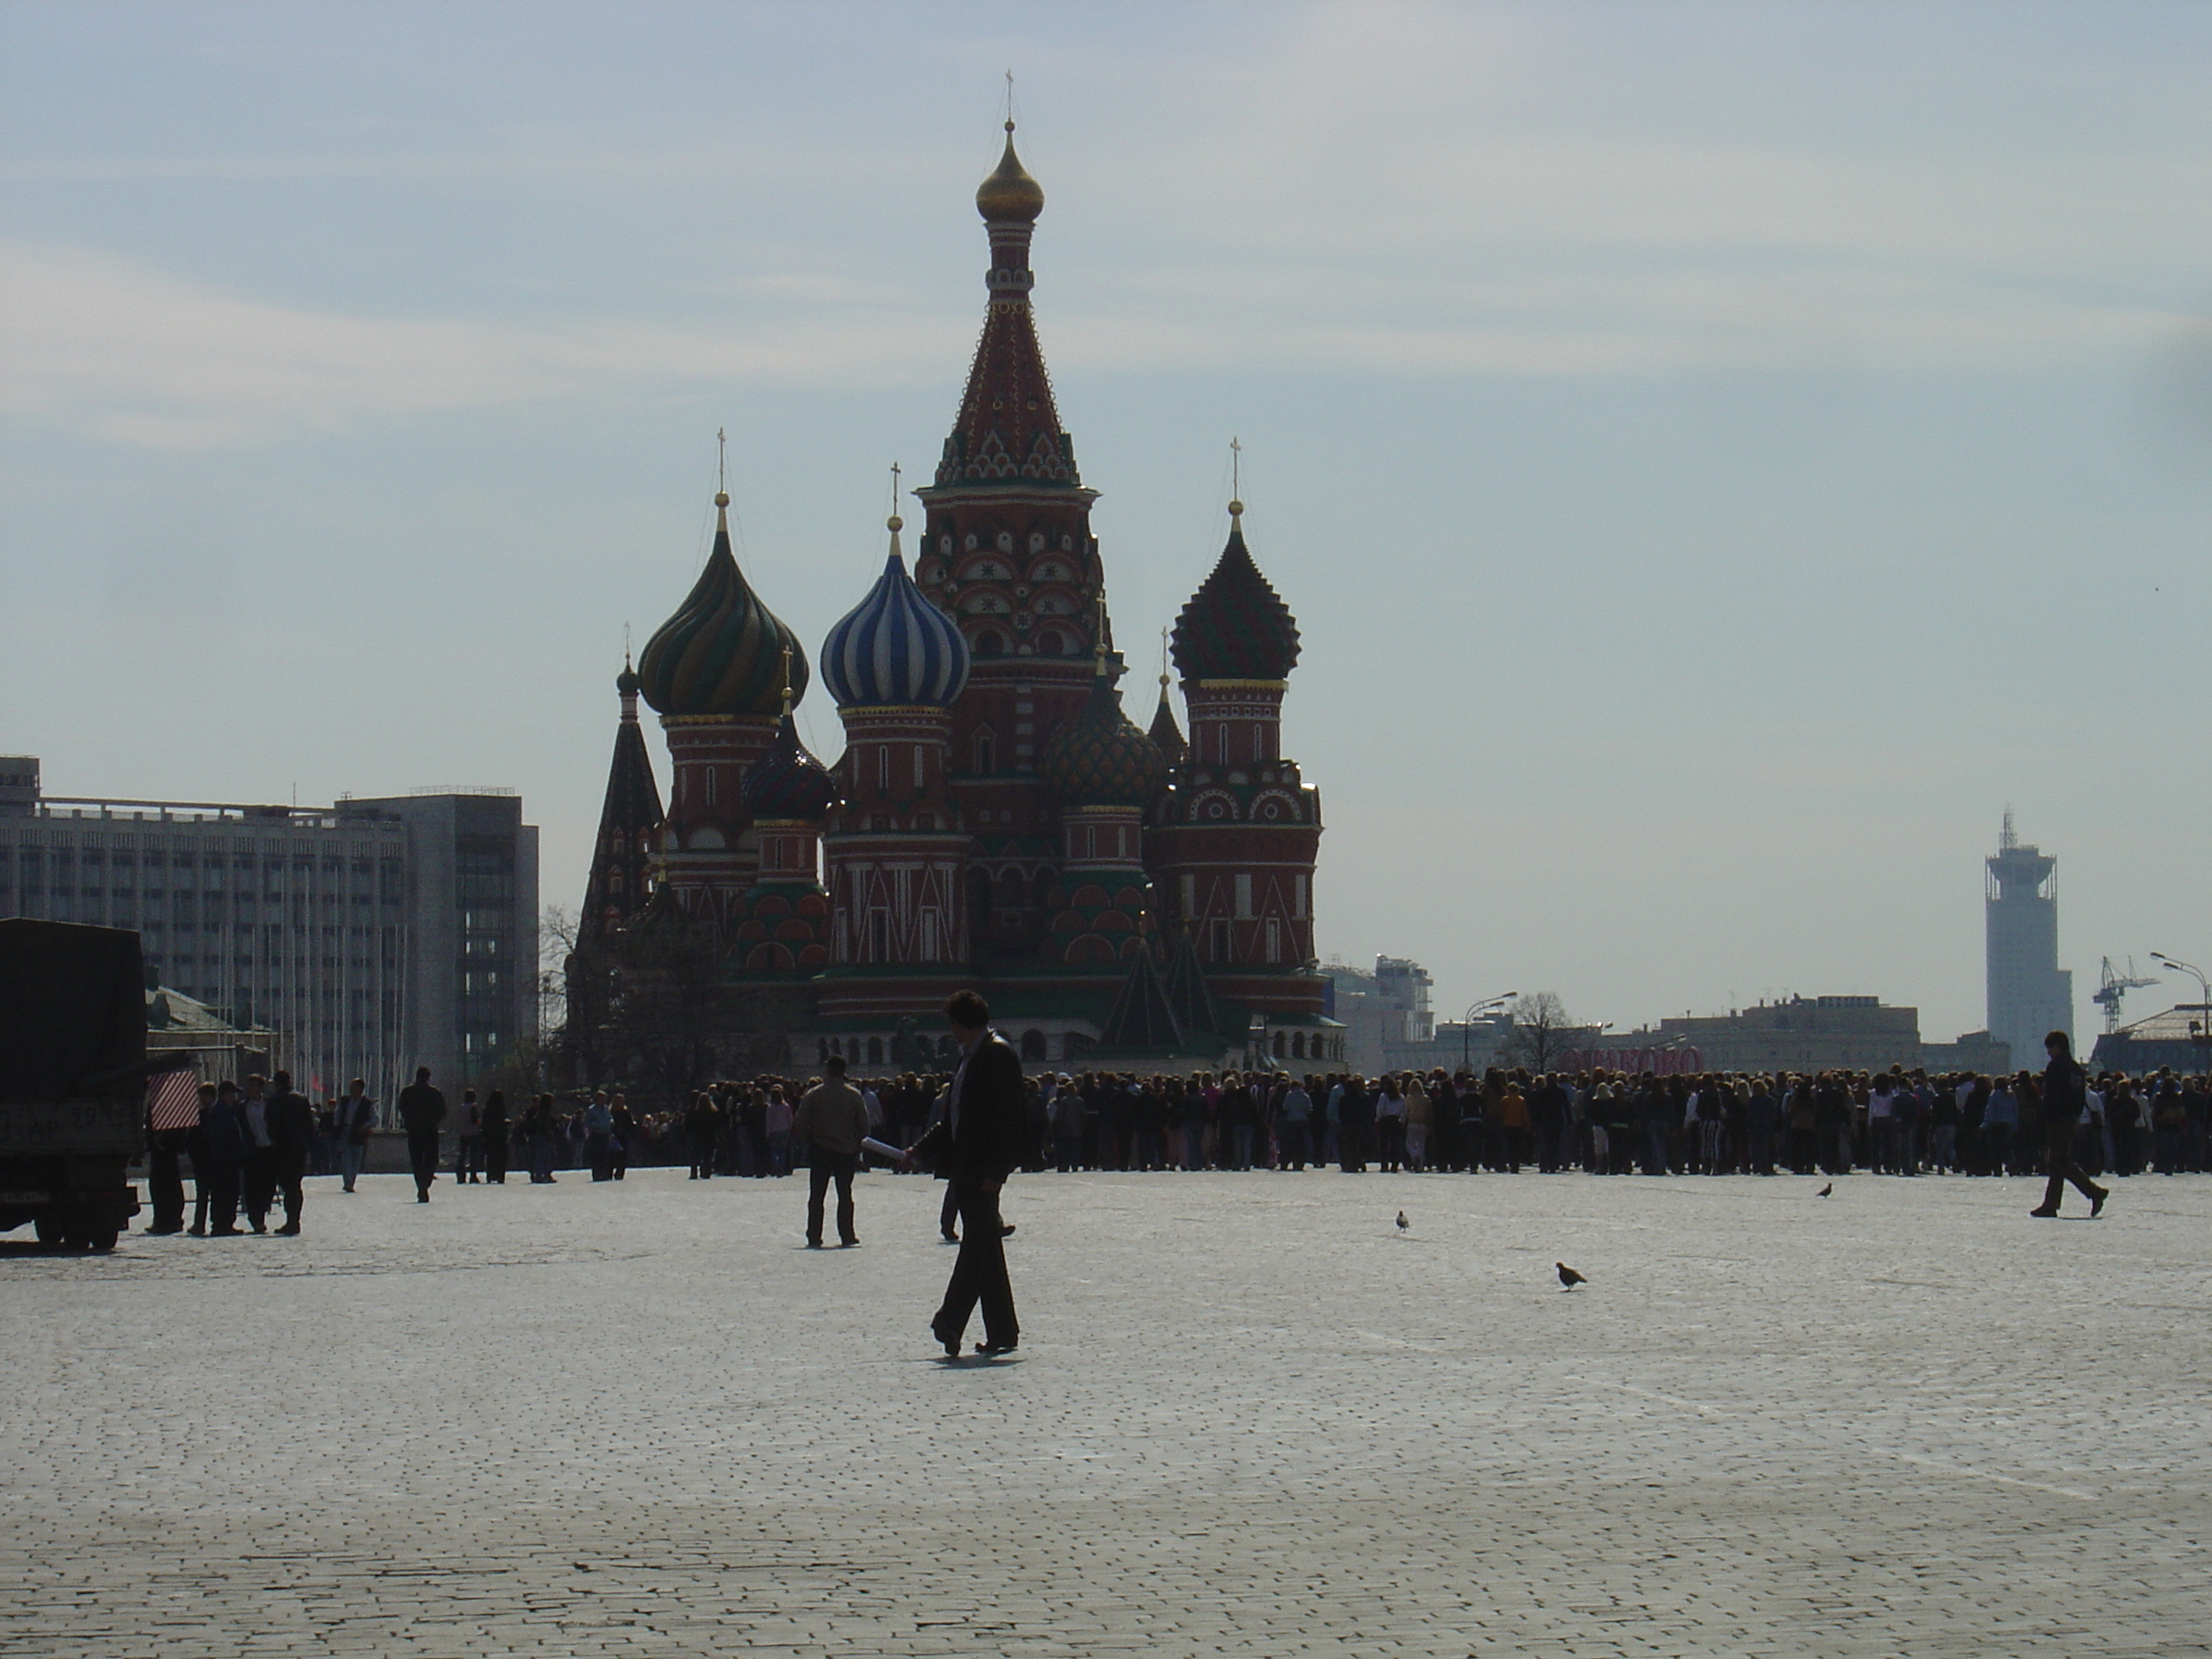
(895, 649)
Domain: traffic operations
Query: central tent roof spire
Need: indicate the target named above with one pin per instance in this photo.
(1008, 429)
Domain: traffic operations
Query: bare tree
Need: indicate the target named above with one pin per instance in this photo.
(1538, 1031)
(557, 942)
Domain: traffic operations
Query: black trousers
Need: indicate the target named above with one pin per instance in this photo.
(494, 1159)
(290, 1167)
(949, 1211)
(423, 1155)
(218, 1183)
(822, 1169)
(257, 1184)
(979, 1273)
(2059, 1160)
(165, 1184)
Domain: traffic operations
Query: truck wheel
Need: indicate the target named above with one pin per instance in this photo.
(100, 1240)
(48, 1225)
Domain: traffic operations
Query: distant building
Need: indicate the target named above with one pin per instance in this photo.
(1389, 1024)
(1810, 1034)
(370, 936)
(1805, 1034)
(2181, 1038)
(471, 908)
(1404, 986)
(2030, 995)
(1975, 1051)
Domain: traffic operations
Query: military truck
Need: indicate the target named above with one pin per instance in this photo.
(72, 1080)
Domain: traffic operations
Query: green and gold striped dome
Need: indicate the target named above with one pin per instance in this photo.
(723, 652)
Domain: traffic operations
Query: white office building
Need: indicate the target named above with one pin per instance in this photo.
(375, 935)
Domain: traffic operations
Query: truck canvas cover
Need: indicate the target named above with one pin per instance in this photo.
(72, 1038)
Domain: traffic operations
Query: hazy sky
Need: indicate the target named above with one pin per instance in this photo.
(1719, 456)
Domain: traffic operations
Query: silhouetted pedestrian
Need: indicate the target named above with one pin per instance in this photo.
(2065, 1098)
(422, 1112)
(980, 1143)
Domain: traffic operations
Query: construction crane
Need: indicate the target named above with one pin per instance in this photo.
(2112, 987)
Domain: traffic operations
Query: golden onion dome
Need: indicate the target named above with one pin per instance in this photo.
(1010, 192)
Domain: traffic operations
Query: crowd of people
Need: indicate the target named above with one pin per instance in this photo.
(1501, 1120)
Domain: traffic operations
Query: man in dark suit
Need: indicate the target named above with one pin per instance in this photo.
(218, 1156)
(422, 1109)
(291, 1121)
(978, 1142)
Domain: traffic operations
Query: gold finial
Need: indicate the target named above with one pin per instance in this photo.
(1235, 479)
(722, 468)
(1010, 195)
(1099, 649)
(787, 682)
(894, 524)
(1163, 662)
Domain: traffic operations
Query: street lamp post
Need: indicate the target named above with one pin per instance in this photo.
(2200, 1031)
(1466, 1025)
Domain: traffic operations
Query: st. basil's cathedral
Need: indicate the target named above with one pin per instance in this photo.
(997, 820)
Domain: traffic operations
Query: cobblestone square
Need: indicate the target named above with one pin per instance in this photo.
(1248, 1415)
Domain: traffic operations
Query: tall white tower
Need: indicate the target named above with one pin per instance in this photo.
(2029, 994)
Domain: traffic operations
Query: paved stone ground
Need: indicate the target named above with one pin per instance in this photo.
(1248, 1416)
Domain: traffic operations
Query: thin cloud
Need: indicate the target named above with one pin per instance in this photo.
(114, 348)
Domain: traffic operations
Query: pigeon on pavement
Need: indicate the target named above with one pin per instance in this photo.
(1402, 1223)
(1568, 1276)
(1825, 1190)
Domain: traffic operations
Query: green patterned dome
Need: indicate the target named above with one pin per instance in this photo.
(1100, 758)
(722, 652)
(1236, 627)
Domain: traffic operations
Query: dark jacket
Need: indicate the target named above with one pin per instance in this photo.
(221, 1132)
(993, 1128)
(2063, 1101)
(422, 1108)
(291, 1122)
